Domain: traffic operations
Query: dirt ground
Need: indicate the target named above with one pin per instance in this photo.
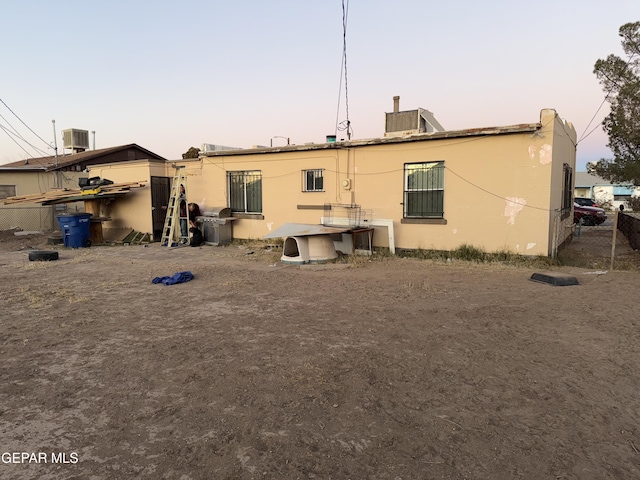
(387, 368)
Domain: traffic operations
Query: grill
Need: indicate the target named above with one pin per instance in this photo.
(217, 226)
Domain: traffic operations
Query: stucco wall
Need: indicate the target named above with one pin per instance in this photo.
(30, 182)
(34, 216)
(563, 151)
(501, 191)
(132, 210)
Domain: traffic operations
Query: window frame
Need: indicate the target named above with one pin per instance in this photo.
(5, 191)
(437, 186)
(255, 176)
(567, 191)
(318, 174)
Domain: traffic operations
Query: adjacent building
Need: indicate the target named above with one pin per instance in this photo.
(603, 191)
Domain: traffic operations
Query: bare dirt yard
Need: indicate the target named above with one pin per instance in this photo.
(392, 368)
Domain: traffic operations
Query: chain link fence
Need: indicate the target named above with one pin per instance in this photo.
(31, 217)
(613, 244)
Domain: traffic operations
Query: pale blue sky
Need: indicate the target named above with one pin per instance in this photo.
(170, 75)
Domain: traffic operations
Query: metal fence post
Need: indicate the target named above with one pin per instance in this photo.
(615, 234)
(556, 233)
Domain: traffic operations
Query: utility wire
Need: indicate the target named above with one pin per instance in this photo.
(28, 127)
(606, 95)
(15, 133)
(11, 135)
(346, 125)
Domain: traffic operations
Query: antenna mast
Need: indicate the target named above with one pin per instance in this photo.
(55, 148)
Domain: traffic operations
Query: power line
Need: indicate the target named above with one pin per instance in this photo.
(346, 125)
(28, 127)
(15, 133)
(606, 96)
(10, 135)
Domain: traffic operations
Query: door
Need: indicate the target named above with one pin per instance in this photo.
(160, 192)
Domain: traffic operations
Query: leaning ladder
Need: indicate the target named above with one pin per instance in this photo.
(171, 228)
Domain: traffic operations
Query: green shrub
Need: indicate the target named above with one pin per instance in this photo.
(468, 253)
(634, 203)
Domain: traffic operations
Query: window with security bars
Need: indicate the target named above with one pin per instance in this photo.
(567, 190)
(424, 190)
(245, 191)
(7, 191)
(312, 180)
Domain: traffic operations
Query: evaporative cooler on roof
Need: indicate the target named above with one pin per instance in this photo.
(76, 140)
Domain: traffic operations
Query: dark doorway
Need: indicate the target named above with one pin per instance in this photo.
(160, 192)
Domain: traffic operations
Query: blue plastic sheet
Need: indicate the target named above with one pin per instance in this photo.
(179, 277)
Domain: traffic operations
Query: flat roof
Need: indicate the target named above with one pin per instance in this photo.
(418, 137)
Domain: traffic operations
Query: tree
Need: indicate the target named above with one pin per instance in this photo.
(620, 81)
(191, 153)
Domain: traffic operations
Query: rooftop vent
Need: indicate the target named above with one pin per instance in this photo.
(76, 140)
(409, 122)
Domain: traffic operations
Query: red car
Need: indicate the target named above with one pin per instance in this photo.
(588, 215)
(585, 202)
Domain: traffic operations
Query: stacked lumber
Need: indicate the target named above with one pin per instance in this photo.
(58, 195)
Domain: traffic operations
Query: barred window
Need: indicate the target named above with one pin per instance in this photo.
(312, 180)
(245, 191)
(7, 191)
(567, 190)
(424, 190)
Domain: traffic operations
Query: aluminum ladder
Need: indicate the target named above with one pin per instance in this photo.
(171, 234)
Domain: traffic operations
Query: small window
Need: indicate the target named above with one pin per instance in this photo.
(312, 181)
(424, 190)
(7, 191)
(245, 191)
(622, 198)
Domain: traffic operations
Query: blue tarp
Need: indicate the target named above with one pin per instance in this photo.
(179, 277)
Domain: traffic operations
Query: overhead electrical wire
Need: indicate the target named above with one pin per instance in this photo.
(346, 124)
(13, 133)
(606, 96)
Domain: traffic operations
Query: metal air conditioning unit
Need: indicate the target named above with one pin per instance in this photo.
(210, 147)
(409, 122)
(76, 140)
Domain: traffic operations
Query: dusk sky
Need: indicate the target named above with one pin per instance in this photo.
(170, 75)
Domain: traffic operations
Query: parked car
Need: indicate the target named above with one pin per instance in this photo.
(588, 215)
(585, 202)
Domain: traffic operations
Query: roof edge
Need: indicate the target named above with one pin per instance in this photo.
(418, 137)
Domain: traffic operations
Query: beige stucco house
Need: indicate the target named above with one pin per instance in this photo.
(498, 188)
(503, 188)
